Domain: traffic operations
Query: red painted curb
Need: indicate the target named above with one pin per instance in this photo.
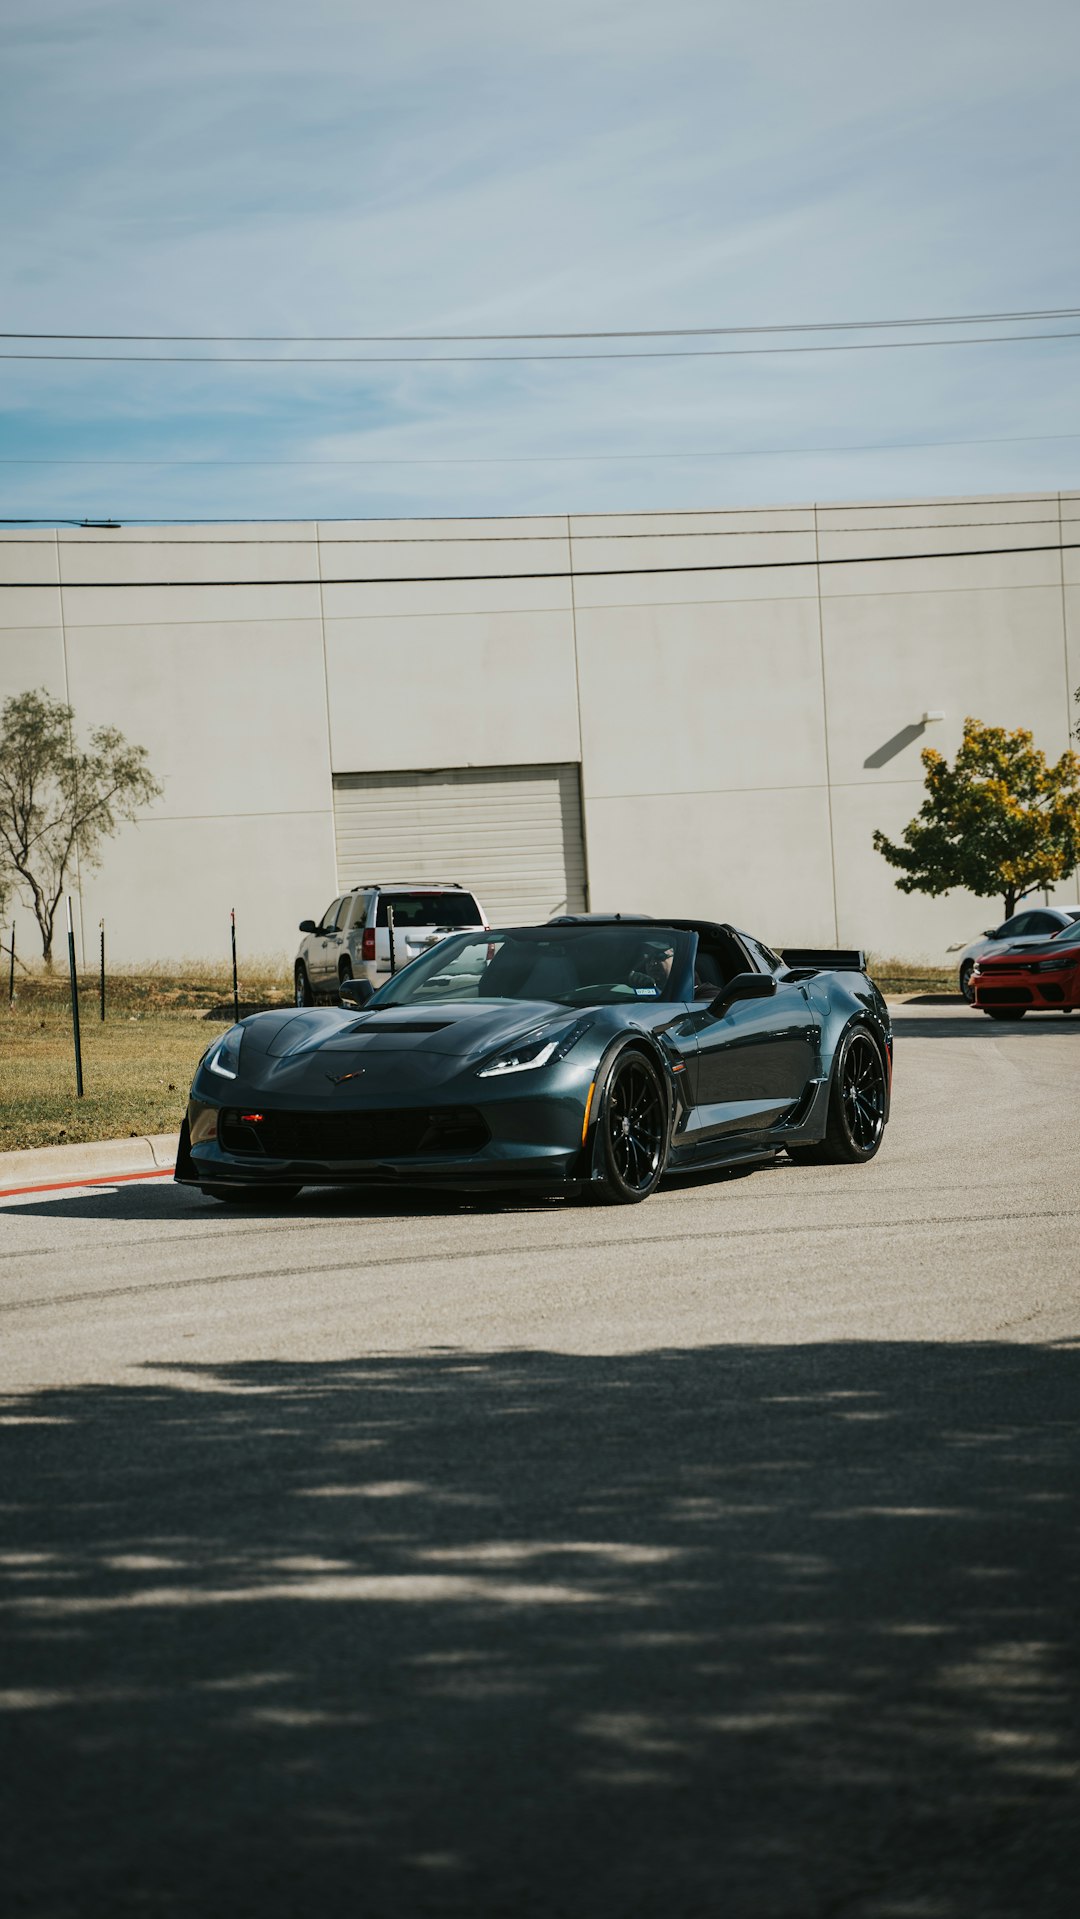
(99, 1179)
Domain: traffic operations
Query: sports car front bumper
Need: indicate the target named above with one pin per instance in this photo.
(504, 1142)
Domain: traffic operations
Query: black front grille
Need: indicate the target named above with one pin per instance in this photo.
(334, 1137)
(1004, 996)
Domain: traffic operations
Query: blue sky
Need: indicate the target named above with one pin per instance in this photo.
(267, 168)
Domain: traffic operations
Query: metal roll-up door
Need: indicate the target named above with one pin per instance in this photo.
(512, 834)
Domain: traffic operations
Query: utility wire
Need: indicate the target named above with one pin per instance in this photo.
(577, 573)
(627, 333)
(559, 459)
(541, 539)
(116, 522)
(507, 359)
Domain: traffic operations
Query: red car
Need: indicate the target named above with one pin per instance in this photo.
(1041, 979)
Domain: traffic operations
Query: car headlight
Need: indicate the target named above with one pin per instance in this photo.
(1056, 965)
(541, 1047)
(225, 1057)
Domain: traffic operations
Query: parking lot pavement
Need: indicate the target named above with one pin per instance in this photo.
(711, 1556)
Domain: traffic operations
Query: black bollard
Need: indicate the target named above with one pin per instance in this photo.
(74, 1002)
(103, 972)
(235, 987)
(390, 925)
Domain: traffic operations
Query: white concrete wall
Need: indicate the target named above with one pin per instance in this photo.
(743, 690)
(472, 667)
(223, 683)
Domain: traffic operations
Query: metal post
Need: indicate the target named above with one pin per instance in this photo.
(235, 987)
(74, 1001)
(390, 924)
(102, 923)
(11, 970)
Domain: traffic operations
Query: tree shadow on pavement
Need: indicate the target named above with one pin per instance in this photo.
(738, 1630)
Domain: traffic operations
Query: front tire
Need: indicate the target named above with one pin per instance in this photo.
(1004, 1012)
(302, 992)
(633, 1132)
(857, 1103)
(965, 981)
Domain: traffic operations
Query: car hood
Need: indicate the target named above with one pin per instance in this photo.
(385, 1052)
(1029, 952)
(456, 1030)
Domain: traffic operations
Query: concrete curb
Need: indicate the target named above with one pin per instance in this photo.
(91, 1159)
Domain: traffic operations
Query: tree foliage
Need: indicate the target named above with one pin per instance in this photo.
(999, 821)
(57, 803)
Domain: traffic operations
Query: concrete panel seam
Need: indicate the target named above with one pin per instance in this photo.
(825, 736)
(711, 792)
(276, 813)
(326, 700)
(577, 696)
(120, 626)
(464, 613)
(67, 700)
(1065, 640)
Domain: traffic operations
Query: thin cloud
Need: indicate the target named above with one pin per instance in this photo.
(257, 169)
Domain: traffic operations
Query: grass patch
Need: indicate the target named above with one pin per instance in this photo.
(902, 976)
(137, 1066)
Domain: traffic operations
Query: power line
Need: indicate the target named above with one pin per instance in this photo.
(553, 539)
(1052, 498)
(575, 573)
(510, 359)
(560, 459)
(627, 333)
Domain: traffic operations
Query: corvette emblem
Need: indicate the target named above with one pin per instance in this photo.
(338, 1079)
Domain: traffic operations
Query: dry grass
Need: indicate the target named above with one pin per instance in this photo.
(904, 976)
(137, 1066)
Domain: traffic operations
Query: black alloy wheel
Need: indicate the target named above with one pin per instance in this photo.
(302, 994)
(862, 1092)
(344, 971)
(857, 1105)
(633, 1131)
(965, 981)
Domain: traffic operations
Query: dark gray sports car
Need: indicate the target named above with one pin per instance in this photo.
(596, 1053)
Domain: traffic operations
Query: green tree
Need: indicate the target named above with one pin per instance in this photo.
(57, 802)
(998, 821)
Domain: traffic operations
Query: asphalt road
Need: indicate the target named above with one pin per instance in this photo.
(717, 1556)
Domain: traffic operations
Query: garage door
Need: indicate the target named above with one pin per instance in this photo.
(510, 833)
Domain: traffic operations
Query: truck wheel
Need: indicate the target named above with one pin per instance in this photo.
(303, 994)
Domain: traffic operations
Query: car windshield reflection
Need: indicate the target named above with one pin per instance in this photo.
(569, 965)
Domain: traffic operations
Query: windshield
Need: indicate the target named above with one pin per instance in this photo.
(429, 909)
(572, 965)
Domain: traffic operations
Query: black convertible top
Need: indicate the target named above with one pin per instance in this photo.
(802, 959)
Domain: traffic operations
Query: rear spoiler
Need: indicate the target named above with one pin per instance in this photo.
(815, 959)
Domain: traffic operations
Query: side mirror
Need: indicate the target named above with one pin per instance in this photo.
(991, 933)
(308, 926)
(356, 992)
(743, 986)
